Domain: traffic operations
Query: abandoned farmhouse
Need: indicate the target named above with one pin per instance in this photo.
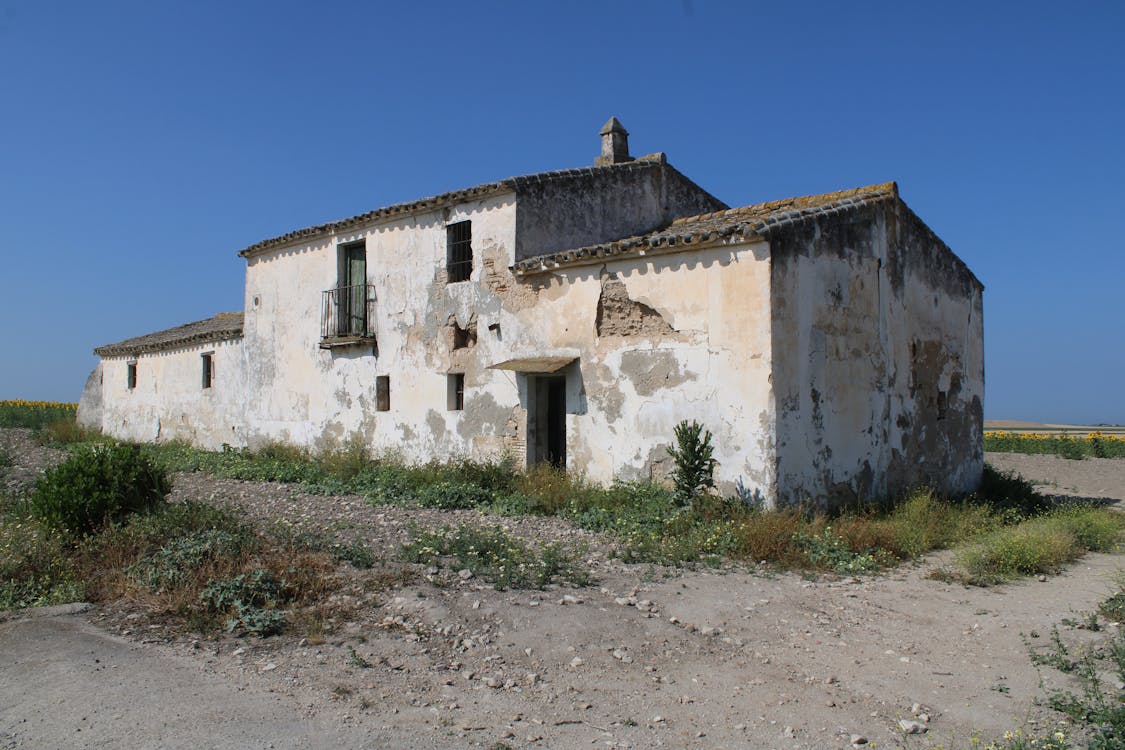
(832, 343)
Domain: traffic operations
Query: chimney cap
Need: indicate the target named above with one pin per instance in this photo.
(613, 125)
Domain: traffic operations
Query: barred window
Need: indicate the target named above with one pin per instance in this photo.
(459, 251)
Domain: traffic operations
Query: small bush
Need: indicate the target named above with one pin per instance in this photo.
(250, 599)
(1037, 546)
(97, 485)
(181, 557)
(695, 466)
(769, 536)
(828, 551)
(1096, 530)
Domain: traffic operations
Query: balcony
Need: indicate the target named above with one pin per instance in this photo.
(347, 316)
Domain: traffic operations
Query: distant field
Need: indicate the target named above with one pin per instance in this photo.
(34, 414)
(1011, 425)
(1066, 440)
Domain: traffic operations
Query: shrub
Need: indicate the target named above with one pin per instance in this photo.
(827, 550)
(1096, 530)
(1037, 546)
(919, 523)
(96, 485)
(695, 467)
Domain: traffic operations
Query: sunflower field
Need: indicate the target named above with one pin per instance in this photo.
(35, 414)
(1068, 445)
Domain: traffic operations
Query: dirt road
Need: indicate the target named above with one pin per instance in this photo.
(648, 657)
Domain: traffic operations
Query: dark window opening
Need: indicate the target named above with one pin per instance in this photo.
(463, 338)
(382, 393)
(455, 391)
(941, 404)
(131, 375)
(208, 365)
(459, 251)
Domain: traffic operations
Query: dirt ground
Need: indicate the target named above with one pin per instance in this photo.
(647, 657)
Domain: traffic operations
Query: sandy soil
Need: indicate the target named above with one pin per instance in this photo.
(647, 657)
(1099, 478)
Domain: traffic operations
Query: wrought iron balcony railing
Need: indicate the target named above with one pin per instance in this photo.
(347, 315)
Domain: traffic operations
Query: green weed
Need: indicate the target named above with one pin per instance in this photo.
(494, 555)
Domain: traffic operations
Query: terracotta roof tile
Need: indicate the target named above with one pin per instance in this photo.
(222, 327)
(691, 231)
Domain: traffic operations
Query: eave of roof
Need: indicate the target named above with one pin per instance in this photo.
(720, 227)
(222, 327)
(488, 189)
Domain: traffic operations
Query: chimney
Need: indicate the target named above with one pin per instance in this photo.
(615, 144)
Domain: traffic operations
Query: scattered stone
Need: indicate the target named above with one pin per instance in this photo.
(622, 655)
(859, 739)
(465, 574)
(912, 727)
(576, 662)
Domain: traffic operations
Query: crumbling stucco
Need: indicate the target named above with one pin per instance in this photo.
(618, 315)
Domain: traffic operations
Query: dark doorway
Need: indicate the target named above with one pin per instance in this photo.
(351, 319)
(546, 420)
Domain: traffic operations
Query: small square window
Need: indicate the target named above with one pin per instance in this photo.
(382, 393)
(208, 366)
(131, 375)
(459, 251)
(455, 391)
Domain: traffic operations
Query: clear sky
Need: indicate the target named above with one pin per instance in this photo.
(143, 144)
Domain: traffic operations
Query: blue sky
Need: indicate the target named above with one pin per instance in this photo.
(145, 143)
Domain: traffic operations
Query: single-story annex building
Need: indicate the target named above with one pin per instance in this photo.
(833, 344)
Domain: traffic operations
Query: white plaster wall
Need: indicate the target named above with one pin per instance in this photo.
(871, 320)
(169, 401)
(626, 395)
(714, 368)
(310, 396)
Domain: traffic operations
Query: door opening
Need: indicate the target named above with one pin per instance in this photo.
(546, 420)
